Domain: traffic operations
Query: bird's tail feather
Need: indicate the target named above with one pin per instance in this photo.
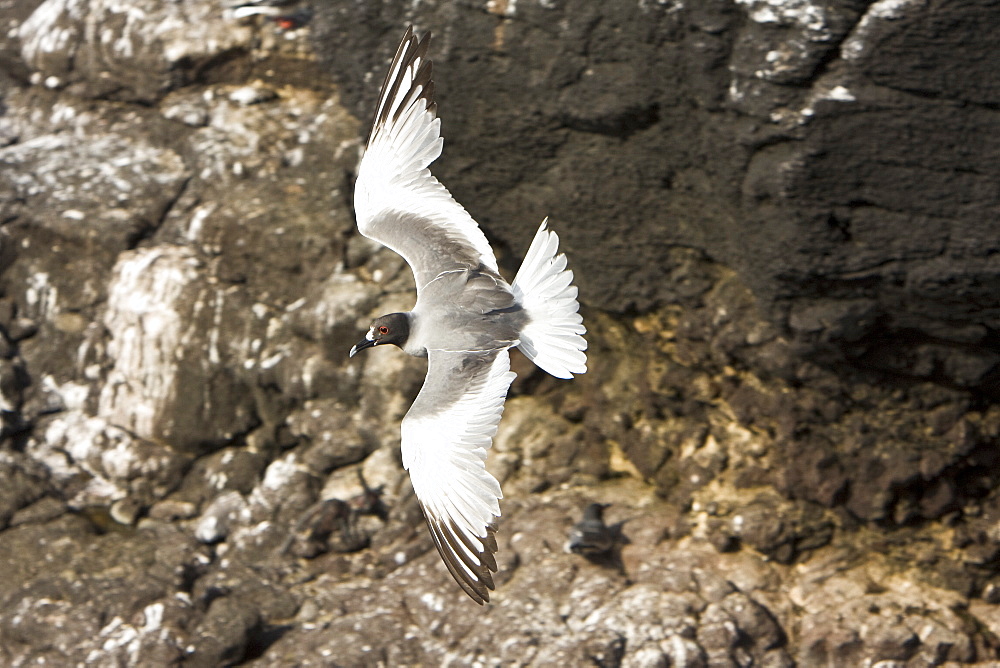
(553, 338)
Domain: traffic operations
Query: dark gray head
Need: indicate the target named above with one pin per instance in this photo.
(393, 328)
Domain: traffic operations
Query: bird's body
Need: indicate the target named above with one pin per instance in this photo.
(465, 319)
(479, 306)
(590, 536)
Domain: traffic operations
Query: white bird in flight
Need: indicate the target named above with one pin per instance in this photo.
(465, 319)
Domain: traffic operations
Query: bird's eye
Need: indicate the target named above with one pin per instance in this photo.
(383, 330)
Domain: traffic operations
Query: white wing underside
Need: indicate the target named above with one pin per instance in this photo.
(446, 435)
(397, 201)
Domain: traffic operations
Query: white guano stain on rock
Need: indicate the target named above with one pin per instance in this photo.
(70, 183)
(820, 93)
(892, 9)
(222, 514)
(119, 641)
(73, 434)
(41, 32)
(197, 222)
(41, 296)
(840, 94)
(280, 472)
(70, 395)
(147, 330)
(811, 16)
(83, 39)
(433, 601)
(857, 45)
(77, 445)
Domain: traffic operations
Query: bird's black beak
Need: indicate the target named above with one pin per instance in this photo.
(362, 344)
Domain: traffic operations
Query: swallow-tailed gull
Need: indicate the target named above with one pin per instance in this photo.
(590, 536)
(465, 318)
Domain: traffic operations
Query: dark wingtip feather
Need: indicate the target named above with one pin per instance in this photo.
(446, 540)
(410, 49)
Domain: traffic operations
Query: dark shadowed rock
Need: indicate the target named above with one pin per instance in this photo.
(110, 616)
(25, 482)
(225, 632)
(825, 151)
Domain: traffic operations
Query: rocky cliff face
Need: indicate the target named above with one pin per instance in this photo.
(783, 219)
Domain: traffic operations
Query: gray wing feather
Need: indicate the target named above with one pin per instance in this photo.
(446, 435)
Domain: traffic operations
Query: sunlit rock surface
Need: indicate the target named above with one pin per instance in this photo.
(783, 219)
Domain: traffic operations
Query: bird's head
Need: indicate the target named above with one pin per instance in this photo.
(393, 328)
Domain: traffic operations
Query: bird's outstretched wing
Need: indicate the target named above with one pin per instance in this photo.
(396, 199)
(446, 434)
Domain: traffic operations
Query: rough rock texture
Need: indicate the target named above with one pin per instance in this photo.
(840, 156)
(782, 216)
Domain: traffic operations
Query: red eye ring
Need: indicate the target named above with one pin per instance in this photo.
(383, 330)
